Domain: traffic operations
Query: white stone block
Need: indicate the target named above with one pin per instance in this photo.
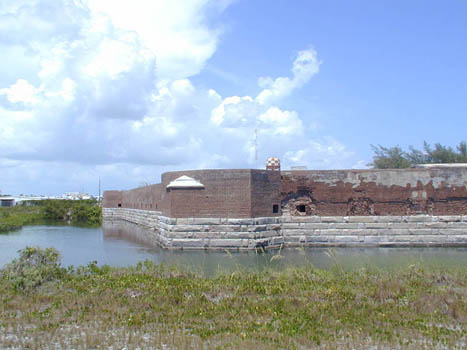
(225, 243)
(450, 218)
(376, 225)
(332, 219)
(419, 218)
(363, 219)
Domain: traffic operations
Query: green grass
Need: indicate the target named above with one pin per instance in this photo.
(159, 307)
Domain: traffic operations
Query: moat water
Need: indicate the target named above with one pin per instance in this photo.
(79, 246)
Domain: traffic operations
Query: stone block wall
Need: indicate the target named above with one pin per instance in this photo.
(382, 231)
(272, 232)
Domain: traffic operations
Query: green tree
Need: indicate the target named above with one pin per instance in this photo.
(55, 209)
(396, 157)
(440, 154)
(87, 213)
(462, 152)
(389, 158)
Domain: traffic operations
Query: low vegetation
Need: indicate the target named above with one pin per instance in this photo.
(16, 217)
(83, 212)
(396, 157)
(45, 306)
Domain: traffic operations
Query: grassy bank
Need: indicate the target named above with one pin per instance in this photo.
(44, 306)
(83, 212)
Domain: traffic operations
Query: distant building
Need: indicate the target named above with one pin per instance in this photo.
(298, 167)
(7, 202)
(76, 196)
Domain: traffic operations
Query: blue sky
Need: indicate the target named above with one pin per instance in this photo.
(124, 91)
(393, 72)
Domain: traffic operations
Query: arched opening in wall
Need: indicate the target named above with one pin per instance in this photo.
(301, 208)
(275, 209)
(119, 205)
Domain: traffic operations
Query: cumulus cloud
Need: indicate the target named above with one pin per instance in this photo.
(246, 111)
(175, 31)
(305, 66)
(94, 89)
(278, 132)
(21, 91)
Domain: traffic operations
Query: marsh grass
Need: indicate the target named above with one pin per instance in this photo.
(163, 307)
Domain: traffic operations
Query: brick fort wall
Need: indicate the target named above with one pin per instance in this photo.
(255, 193)
(226, 193)
(432, 191)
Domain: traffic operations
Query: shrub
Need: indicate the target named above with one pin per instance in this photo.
(55, 209)
(87, 213)
(33, 267)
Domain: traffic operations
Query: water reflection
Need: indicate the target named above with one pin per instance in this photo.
(124, 244)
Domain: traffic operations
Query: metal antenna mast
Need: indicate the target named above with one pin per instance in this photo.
(256, 148)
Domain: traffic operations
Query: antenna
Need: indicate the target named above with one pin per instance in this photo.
(256, 148)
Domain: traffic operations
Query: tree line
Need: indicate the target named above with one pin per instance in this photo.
(396, 157)
(82, 212)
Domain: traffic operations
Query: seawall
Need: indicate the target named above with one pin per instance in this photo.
(272, 232)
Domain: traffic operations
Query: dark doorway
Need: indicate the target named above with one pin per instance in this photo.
(119, 205)
(275, 209)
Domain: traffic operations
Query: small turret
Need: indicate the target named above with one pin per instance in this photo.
(273, 163)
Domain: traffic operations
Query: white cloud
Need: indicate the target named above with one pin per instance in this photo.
(304, 67)
(21, 91)
(105, 88)
(234, 111)
(282, 122)
(324, 152)
(279, 132)
(174, 31)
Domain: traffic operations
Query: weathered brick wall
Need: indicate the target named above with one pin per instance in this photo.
(253, 193)
(226, 193)
(437, 191)
(111, 199)
(265, 193)
(147, 197)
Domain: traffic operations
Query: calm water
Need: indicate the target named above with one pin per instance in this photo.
(80, 246)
